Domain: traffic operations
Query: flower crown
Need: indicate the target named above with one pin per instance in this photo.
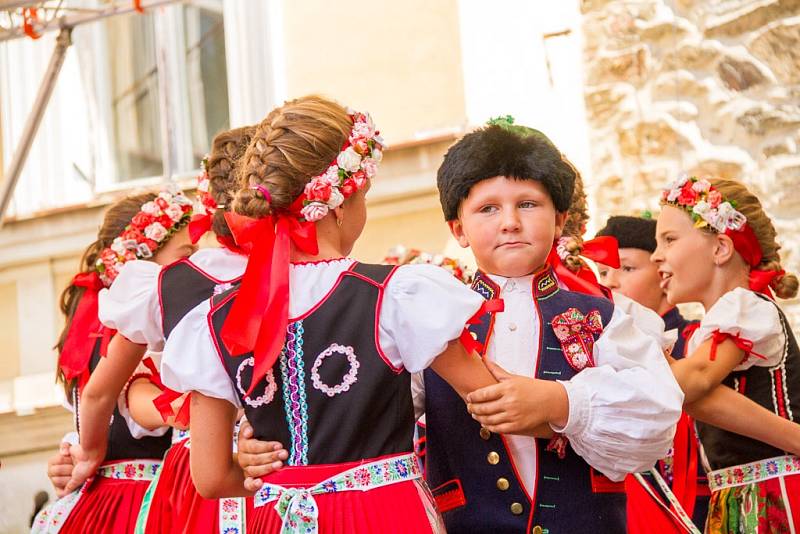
(704, 203)
(157, 221)
(354, 165)
(205, 201)
(400, 255)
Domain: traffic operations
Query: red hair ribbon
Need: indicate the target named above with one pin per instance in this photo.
(744, 344)
(163, 402)
(584, 281)
(602, 249)
(260, 314)
(746, 244)
(29, 18)
(84, 328)
(199, 225)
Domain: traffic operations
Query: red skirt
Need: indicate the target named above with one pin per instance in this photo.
(176, 506)
(108, 506)
(397, 508)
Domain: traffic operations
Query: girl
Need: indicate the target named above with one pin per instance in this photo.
(315, 346)
(717, 246)
(136, 438)
(147, 301)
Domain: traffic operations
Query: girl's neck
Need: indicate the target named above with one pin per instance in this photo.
(727, 279)
(327, 251)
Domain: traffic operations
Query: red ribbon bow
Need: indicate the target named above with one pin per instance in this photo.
(584, 281)
(199, 225)
(84, 328)
(602, 249)
(260, 314)
(743, 344)
(470, 343)
(760, 280)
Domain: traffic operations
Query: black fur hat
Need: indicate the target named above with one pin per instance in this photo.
(631, 232)
(499, 151)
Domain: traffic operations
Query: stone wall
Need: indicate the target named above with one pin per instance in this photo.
(706, 87)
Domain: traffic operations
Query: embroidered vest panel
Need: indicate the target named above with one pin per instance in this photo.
(775, 388)
(121, 444)
(181, 287)
(460, 456)
(331, 397)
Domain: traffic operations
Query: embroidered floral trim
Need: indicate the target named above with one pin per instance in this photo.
(740, 475)
(294, 393)
(53, 516)
(576, 334)
(222, 288)
(704, 203)
(269, 389)
(231, 516)
(400, 255)
(356, 163)
(137, 470)
(157, 221)
(298, 509)
(348, 380)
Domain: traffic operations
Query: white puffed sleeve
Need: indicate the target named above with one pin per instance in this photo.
(131, 305)
(743, 313)
(647, 320)
(137, 430)
(623, 412)
(190, 361)
(424, 308)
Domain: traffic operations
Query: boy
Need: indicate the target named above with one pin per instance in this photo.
(637, 277)
(582, 367)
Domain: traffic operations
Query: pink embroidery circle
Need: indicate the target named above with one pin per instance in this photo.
(348, 380)
(269, 391)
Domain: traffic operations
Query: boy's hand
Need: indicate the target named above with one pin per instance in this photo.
(258, 458)
(519, 405)
(59, 469)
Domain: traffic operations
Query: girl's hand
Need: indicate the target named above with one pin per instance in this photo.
(85, 466)
(59, 469)
(258, 458)
(519, 405)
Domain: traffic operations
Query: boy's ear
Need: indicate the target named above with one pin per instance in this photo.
(561, 221)
(457, 230)
(723, 250)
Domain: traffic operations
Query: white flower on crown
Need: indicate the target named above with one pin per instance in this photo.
(349, 159)
(117, 246)
(377, 154)
(729, 218)
(331, 176)
(674, 193)
(702, 208)
(151, 208)
(363, 127)
(701, 186)
(336, 198)
(314, 211)
(174, 212)
(155, 231)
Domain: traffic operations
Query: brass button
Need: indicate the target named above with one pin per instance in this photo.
(493, 458)
(516, 508)
(485, 434)
(502, 484)
(537, 530)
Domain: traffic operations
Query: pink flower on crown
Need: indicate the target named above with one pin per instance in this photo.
(318, 190)
(360, 145)
(714, 198)
(359, 178)
(314, 211)
(349, 187)
(370, 167)
(363, 127)
(151, 208)
(701, 186)
(155, 231)
(331, 176)
(174, 212)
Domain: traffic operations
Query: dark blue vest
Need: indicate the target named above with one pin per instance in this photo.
(673, 320)
(470, 470)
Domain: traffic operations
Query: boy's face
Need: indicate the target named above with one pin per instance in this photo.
(637, 278)
(509, 224)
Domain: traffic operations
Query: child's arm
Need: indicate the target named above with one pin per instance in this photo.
(464, 372)
(97, 402)
(141, 394)
(698, 374)
(213, 469)
(732, 411)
